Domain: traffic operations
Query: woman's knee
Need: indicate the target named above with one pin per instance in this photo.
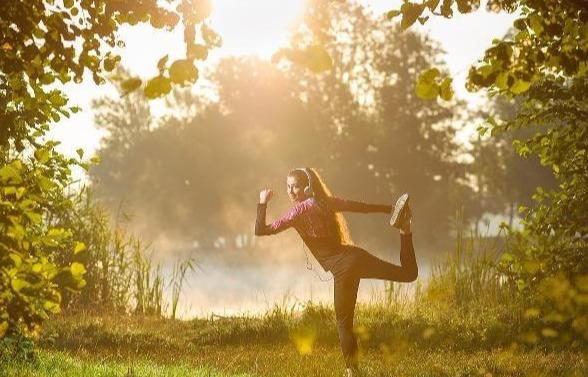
(410, 274)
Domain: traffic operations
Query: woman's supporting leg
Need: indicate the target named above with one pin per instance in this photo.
(345, 292)
(356, 264)
(371, 267)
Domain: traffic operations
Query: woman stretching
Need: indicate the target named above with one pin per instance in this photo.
(316, 216)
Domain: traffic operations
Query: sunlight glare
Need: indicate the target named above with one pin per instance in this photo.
(255, 27)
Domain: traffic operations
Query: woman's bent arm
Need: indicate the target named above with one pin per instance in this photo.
(284, 222)
(261, 229)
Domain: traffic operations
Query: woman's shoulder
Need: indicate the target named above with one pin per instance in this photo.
(306, 204)
(303, 206)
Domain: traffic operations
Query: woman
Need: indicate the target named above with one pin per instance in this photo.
(316, 216)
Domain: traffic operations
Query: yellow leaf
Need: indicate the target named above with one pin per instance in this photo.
(532, 313)
(532, 267)
(80, 246)
(536, 24)
(183, 71)
(429, 332)
(77, 269)
(520, 86)
(549, 333)
(3, 328)
(582, 283)
(304, 339)
(317, 59)
(51, 306)
(502, 80)
(446, 90)
(18, 284)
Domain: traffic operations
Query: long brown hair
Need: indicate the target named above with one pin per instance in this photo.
(323, 195)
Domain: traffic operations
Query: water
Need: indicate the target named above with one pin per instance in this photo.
(218, 288)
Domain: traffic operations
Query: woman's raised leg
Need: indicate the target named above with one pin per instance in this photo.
(372, 267)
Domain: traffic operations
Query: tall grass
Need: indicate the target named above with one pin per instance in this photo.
(121, 275)
(148, 283)
(177, 280)
(468, 278)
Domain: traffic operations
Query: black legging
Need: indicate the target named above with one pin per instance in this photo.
(357, 264)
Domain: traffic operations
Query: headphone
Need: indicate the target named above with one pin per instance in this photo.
(308, 189)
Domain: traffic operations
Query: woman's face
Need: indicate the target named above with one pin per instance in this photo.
(295, 189)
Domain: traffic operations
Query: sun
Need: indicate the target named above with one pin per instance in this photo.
(255, 27)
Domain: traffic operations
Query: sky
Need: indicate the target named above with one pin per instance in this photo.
(261, 27)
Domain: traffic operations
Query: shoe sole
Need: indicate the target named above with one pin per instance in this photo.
(399, 207)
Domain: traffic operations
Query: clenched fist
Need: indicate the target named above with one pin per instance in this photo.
(265, 196)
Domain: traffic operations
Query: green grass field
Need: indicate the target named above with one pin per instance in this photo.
(281, 344)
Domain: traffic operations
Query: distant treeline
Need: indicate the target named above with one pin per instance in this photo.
(194, 174)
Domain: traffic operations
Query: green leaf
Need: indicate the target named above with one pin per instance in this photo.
(80, 152)
(446, 10)
(80, 246)
(57, 98)
(157, 87)
(393, 13)
(427, 90)
(446, 89)
(16, 232)
(506, 257)
(197, 51)
(42, 155)
(77, 269)
(429, 75)
(410, 13)
(485, 70)
(51, 306)
(502, 80)
(549, 333)
(18, 284)
(520, 86)
(426, 87)
(9, 173)
(35, 218)
(183, 71)
(536, 24)
(433, 4)
(16, 259)
(161, 64)
(20, 192)
(130, 85)
(3, 328)
(317, 58)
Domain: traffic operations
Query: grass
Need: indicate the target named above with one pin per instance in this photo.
(282, 344)
(60, 364)
(283, 359)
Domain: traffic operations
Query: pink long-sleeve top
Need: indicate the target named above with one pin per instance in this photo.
(317, 229)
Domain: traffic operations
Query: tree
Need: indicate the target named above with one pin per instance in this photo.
(505, 179)
(543, 65)
(45, 43)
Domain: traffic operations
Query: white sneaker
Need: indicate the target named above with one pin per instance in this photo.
(398, 213)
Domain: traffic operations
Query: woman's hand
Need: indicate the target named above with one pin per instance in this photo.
(265, 196)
